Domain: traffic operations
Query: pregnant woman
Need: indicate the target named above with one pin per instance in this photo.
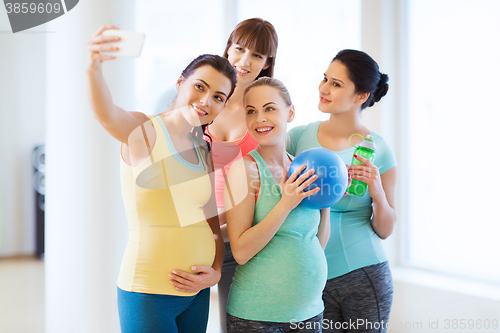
(359, 282)
(278, 243)
(175, 249)
(251, 50)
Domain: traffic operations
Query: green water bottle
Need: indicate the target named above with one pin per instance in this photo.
(366, 149)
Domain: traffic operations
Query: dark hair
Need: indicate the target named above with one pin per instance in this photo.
(363, 71)
(223, 66)
(258, 35)
(219, 63)
(271, 82)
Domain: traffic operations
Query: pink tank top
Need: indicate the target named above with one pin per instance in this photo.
(224, 154)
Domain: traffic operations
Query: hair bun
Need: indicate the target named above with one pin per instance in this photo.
(382, 88)
(364, 72)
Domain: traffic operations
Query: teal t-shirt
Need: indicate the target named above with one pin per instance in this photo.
(353, 242)
(285, 280)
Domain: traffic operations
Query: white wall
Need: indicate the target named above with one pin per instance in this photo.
(86, 228)
(431, 302)
(22, 127)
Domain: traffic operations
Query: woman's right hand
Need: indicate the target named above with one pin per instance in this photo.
(97, 44)
(115, 120)
(292, 189)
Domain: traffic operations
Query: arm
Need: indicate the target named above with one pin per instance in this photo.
(382, 189)
(210, 211)
(204, 276)
(116, 121)
(223, 226)
(324, 228)
(247, 240)
(384, 211)
(219, 246)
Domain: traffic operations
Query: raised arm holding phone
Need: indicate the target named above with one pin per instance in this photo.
(175, 248)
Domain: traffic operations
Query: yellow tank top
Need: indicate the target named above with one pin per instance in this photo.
(168, 231)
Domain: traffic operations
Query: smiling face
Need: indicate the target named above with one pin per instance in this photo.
(247, 62)
(337, 92)
(202, 95)
(267, 114)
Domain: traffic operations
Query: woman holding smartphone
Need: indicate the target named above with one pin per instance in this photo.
(175, 249)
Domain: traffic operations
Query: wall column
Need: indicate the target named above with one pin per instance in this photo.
(86, 228)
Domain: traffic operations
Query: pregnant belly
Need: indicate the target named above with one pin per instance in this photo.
(161, 249)
(281, 284)
(300, 266)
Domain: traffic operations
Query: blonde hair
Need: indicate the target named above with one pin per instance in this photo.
(271, 82)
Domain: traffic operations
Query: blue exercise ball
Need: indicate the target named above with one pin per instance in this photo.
(332, 176)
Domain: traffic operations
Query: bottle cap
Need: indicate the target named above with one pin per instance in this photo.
(368, 143)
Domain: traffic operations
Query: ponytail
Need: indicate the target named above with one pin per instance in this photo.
(199, 134)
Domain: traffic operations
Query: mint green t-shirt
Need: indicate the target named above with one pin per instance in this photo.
(285, 280)
(353, 242)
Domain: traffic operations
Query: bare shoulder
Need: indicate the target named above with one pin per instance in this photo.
(144, 128)
(245, 168)
(239, 169)
(242, 179)
(140, 141)
(141, 117)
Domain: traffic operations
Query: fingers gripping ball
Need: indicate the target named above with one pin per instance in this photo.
(332, 176)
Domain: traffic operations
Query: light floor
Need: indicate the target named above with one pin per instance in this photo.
(22, 297)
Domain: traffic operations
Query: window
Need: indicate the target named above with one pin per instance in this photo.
(309, 33)
(176, 33)
(453, 58)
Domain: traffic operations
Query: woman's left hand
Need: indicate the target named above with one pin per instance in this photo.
(349, 179)
(204, 277)
(369, 174)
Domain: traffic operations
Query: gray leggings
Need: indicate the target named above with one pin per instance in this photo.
(359, 301)
(238, 325)
(228, 268)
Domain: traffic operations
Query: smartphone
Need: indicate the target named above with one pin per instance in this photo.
(130, 43)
